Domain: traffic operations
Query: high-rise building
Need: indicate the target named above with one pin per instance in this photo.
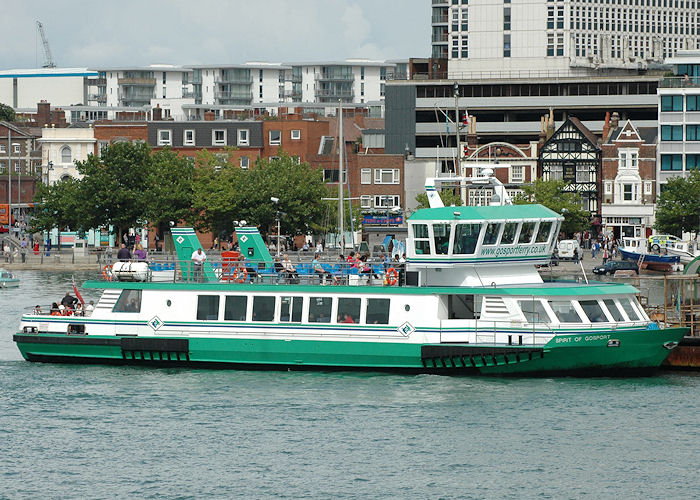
(549, 37)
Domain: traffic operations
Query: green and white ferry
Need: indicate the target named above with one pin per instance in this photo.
(469, 301)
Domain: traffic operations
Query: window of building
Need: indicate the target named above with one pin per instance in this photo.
(188, 138)
(291, 309)
(672, 162)
(243, 137)
(672, 103)
(506, 45)
(377, 311)
(671, 132)
(627, 192)
(17, 167)
(235, 308)
(330, 175)
(366, 176)
(349, 310)
(245, 162)
(692, 132)
(263, 308)
(275, 137)
(647, 187)
(101, 145)
(506, 19)
(365, 201)
(386, 176)
(16, 148)
(608, 187)
(129, 301)
(66, 155)
(3, 148)
(296, 135)
(692, 103)
(218, 137)
(320, 309)
(208, 307)
(386, 201)
(517, 173)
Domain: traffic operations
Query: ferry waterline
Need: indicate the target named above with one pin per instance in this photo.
(469, 301)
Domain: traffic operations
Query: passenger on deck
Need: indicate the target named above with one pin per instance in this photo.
(68, 301)
(346, 319)
(90, 306)
(288, 269)
(140, 253)
(37, 309)
(124, 254)
(198, 259)
(318, 269)
(54, 310)
(79, 309)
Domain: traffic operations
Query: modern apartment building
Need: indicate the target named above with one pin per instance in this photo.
(679, 118)
(24, 88)
(529, 37)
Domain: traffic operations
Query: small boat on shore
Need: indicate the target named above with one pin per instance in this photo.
(636, 249)
(685, 250)
(8, 279)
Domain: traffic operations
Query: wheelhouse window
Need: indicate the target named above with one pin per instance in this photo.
(235, 308)
(509, 231)
(491, 235)
(129, 302)
(564, 311)
(441, 235)
(291, 308)
(630, 310)
(534, 311)
(526, 232)
(208, 307)
(320, 309)
(466, 238)
(349, 310)
(613, 310)
(378, 311)
(593, 311)
(263, 308)
(543, 232)
(421, 239)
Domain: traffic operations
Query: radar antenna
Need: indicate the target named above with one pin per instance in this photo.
(48, 58)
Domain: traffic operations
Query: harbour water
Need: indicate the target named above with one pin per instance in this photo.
(131, 432)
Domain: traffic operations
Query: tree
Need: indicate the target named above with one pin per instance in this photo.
(57, 206)
(7, 113)
(678, 206)
(551, 194)
(448, 196)
(171, 187)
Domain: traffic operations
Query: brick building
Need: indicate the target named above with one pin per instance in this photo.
(108, 132)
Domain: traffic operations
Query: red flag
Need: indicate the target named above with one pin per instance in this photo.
(77, 293)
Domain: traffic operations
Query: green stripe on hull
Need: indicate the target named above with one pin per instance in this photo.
(637, 349)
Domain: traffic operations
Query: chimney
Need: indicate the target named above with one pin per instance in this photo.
(471, 133)
(157, 113)
(209, 116)
(549, 132)
(606, 127)
(43, 113)
(615, 120)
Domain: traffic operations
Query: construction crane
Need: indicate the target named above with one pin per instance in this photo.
(48, 59)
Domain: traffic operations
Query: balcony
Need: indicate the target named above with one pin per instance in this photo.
(440, 37)
(97, 81)
(680, 82)
(143, 82)
(240, 80)
(97, 97)
(335, 94)
(319, 77)
(186, 94)
(440, 19)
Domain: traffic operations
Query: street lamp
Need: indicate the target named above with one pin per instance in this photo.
(278, 215)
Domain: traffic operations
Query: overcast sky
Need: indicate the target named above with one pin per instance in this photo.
(141, 32)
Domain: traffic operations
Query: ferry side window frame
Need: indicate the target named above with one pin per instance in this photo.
(593, 310)
(208, 307)
(534, 309)
(541, 237)
(510, 231)
(320, 309)
(264, 308)
(377, 311)
(527, 232)
(441, 237)
(491, 233)
(129, 301)
(631, 308)
(421, 239)
(466, 238)
(291, 309)
(564, 314)
(236, 308)
(613, 309)
(349, 308)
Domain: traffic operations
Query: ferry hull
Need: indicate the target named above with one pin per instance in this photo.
(615, 353)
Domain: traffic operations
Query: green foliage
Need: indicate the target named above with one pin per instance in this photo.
(58, 206)
(448, 196)
(551, 194)
(170, 187)
(678, 206)
(7, 113)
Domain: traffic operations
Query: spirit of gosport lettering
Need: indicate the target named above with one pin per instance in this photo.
(514, 251)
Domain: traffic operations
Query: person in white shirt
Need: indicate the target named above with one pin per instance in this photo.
(198, 258)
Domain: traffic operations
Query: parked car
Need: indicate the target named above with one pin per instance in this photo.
(569, 250)
(659, 241)
(612, 266)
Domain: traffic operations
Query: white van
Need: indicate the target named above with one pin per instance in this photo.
(569, 249)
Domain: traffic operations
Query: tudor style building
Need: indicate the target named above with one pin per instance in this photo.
(573, 155)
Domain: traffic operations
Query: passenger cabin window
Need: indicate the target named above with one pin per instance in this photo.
(441, 234)
(460, 307)
(235, 308)
(543, 232)
(263, 308)
(632, 313)
(613, 309)
(526, 232)
(564, 311)
(320, 309)
(491, 235)
(421, 239)
(349, 310)
(129, 302)
(509, 231)
(534, 311)
(466, 238)
(593, 311)
(290, 309)
(378, 311)
(207, 307)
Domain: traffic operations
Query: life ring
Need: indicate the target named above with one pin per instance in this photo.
(240, 275)
(392, 276)
(107, 272)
